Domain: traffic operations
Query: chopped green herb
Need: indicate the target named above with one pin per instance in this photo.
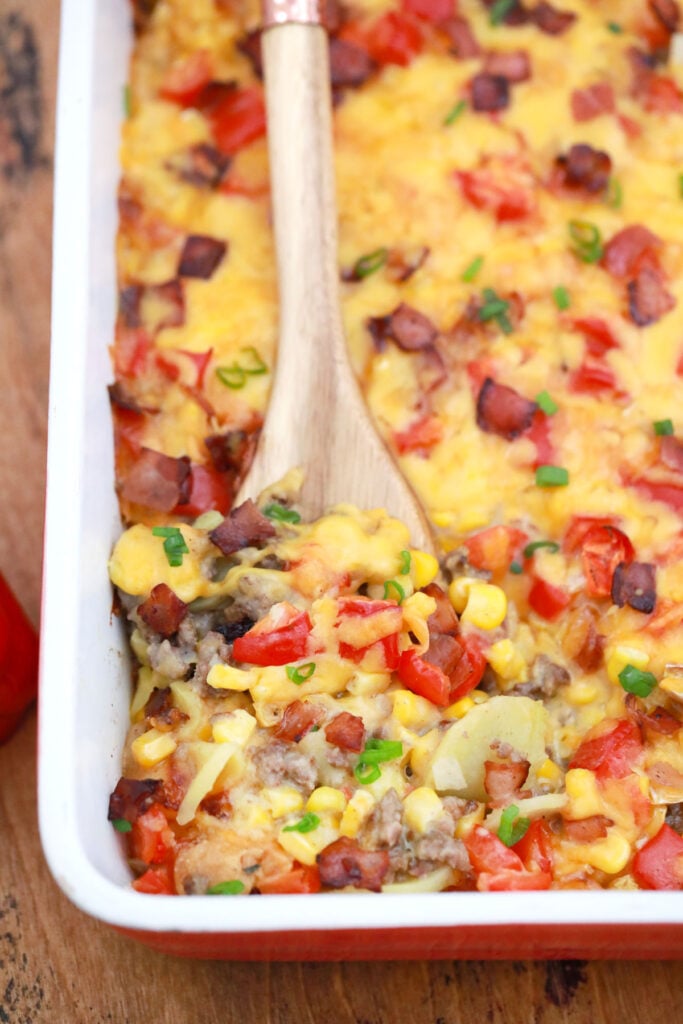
(663, 428)
(516, 568)
(512, 828)
(308, 823)
(121, 825)
(471, 272)
(281, 514)
(500, 11)
(633, 680)
(300, 673)
(406, 559)
(257, 366)
(127, 102)
(174, 544)
(366, 265)
(615, 27)
(546, 403)
(232, 888)
(495, 308)
(399, 594)
(561, 297)
(680, 185)
(614, 195)
(232, 376)
(587, 243)
(375, 753)
(536, 545)
(552, 476)
(366, 773)
(455, 112)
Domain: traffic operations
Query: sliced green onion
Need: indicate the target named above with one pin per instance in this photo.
(399, 594)
(546, 403)
(174, 544)
(495, 308)
(208, 520)
(281, 514)
(680, 185)
(536, 545)
(121, 825)
(512, 828)
(366, 265)
(615, 194)
(232, 376)
(127, 103)
(406, 559)
(231, 888)
(615, 27)
(634, 680)
(587, 243)
(366, 773)
(516, 568)
(663, 428)
(561, 297)
(500, 11)
(471, 272)
(377, 751)
(300, 673)
(308, 823)
(552, 476)
(258, 366)
(455, 112)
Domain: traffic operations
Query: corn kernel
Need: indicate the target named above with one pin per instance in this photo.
(581, 692)
(619, 657)
(479, 696)
(548, 772)
(458, 591)
(486, 606)
(464, 825)
(152, 747)
(443, 519)
(235, 727)
(507, 661)
(424, 568)
(413, 711)
(283, 800)
(324, 799)
(356, 811)
(421, 808)
(459, 709)
(254, 817)
(306, 847)
(583, 794)
(227, 677)
(610, 854)
(421, 754)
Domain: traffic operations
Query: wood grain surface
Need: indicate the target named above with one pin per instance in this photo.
(58, 966)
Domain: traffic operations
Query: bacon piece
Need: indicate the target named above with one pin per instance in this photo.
(402, 265)
(160, 712)
(629, 250)
(671, 453)
(634, 584)
(121, 399)
(513, 65)
(444, 652)
(201, 165)
(590, 655)
(153, 306)
(157, 481)
(407, 327)
(344, 863)
(588, 829)
(250, 46)
(463, 43)
(244, 526)
(162, 611)
(142, 12)
(201, 256)
(489, 92)
(592, 101)
(443, 620)
(667, 12)
(503, 779)
(583, 170)
(132, 797)
(346, 731)
(648, 298)
(218, 805)
(350, 64)
(233, 451)
(502, 410)
(551, 21)
(298, 718)
(658, 720)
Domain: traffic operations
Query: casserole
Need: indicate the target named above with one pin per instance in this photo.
(84, 718)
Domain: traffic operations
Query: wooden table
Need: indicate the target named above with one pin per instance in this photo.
(56, 965)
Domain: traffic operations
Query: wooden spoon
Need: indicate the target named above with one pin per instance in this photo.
(317, 418)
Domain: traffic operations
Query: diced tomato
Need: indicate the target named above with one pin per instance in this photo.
(156, 882)
(419, 437)
(151, 837)
(495, 548)
(302, 878)
(579, 527)
(504, 188)
(469, 670)
(539, 434)
(435, 11)
(209, 489)
(547, 600)
(592, 379)
(479, 369)
(610, 749)
(426, 680)
(598, 335)
(661, 95)
(201, 361)
(278, 639)
(364, 610)
(488, 853)
(131, 350)
(602, 549)
(395, 38)
(659, 864)
(514, 881)
(592, 101)
(535, 847)
(387, 647)
(184, 82)
(238, 119)
(670, 494)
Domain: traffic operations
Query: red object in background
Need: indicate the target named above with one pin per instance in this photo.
(18, 662)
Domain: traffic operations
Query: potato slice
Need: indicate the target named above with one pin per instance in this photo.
(458, 762)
